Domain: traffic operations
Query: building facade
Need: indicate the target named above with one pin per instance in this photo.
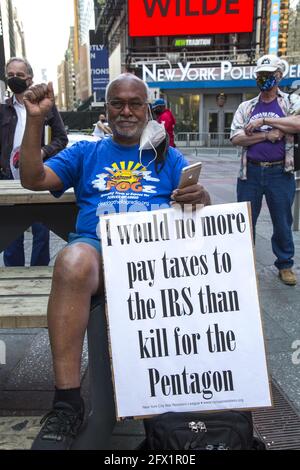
(203, 77)
(277, 26)
(84, 20)
(293, 48)
(74, 84)
(70, 73)
(12, 41)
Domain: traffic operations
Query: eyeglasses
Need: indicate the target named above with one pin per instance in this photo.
(264, 75)
(134, 105)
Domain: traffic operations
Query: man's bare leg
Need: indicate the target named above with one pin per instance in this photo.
(77, 276)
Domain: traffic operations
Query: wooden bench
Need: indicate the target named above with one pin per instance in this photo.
(24, 295)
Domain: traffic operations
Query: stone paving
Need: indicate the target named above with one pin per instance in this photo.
(26, 380)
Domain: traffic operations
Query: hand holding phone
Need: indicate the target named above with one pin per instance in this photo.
(190, 175)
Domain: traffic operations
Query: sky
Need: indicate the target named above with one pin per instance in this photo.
(46, 26)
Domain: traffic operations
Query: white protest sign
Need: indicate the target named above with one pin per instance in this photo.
(183, 311)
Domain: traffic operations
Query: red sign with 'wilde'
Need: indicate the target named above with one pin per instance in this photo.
(189, 17)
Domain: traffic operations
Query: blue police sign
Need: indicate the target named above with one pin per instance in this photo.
(99, 70)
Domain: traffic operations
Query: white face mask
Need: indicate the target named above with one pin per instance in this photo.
(153, 135)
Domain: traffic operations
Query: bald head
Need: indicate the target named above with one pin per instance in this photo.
(124, 78)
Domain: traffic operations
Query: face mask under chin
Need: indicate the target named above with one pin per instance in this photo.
(153, 134)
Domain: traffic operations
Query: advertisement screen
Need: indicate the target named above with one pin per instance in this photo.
(99, 70)
(189, 17)
(274, 28)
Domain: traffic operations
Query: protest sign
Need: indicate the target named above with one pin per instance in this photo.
(183, 311)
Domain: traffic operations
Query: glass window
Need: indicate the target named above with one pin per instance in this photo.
(249, 96)
(228, 117)
(213, 123)
(185, 108)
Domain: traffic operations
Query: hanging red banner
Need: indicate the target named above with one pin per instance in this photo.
(189, 17)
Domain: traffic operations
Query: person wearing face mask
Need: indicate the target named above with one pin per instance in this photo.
(102, 128)
(264, 127)
(164, 116)
(133, 170)
(19, 75)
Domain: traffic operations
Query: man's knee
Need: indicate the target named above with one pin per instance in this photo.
(78, 263)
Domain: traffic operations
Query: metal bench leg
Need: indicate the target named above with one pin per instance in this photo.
(101, 421)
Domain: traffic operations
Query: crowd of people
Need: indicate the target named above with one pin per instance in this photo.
(263, 127)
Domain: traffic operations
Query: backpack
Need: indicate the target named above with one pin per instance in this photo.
(226, 430)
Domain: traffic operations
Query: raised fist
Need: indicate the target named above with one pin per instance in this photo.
(39, 99)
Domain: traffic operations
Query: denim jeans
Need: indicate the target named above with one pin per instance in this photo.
(40, 256)
(278, 188)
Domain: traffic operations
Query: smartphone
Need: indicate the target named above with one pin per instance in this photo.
(190, 175)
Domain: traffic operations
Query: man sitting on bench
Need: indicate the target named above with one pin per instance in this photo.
(107, 176)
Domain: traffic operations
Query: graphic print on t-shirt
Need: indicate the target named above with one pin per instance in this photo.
(266, 115)
(14, 162)
(124, 184)
(127, 176)
(267, 151)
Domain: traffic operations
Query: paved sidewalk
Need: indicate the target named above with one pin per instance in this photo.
(26, 380)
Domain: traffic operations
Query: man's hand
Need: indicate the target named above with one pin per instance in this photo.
(194, 194)
(39, 99)
(251, 126)
(275, 135)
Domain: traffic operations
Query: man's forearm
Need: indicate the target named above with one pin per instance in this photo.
(288, 125)
(31, 163)
(246, 140)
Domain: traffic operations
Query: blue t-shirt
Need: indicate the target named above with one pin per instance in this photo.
(266, 151)
(108, 177)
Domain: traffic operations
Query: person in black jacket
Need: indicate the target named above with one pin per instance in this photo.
(19, 75)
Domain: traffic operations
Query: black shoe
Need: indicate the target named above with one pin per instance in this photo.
(60, 427)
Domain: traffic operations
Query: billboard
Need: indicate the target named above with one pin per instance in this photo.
(99, 70)
(189, 17)
(274, 26)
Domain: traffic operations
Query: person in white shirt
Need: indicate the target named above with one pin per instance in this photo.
(19, 75)
(102, 128)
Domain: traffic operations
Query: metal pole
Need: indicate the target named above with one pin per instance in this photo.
(258, 28)
(296, 224)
